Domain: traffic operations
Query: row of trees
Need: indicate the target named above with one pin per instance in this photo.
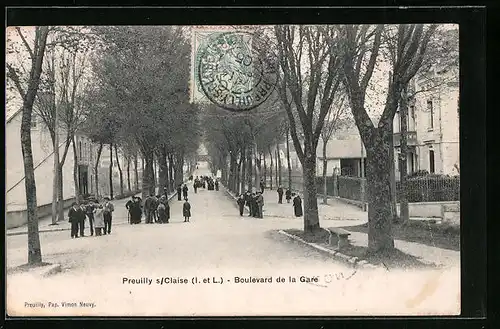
(325, 69)
(141, 99)
(126, 87)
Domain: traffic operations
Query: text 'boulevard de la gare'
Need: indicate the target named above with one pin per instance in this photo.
(220, 280)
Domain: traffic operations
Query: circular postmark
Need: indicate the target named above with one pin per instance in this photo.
(236, 70)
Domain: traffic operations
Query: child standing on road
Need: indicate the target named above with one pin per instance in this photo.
(186, 210)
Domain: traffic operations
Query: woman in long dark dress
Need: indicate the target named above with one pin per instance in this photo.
(297, 206)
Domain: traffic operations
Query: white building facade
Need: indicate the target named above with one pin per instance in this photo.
(44, 165)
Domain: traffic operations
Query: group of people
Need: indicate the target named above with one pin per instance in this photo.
(156, 208)
(204, 182)
(100, 217)
(255, 202)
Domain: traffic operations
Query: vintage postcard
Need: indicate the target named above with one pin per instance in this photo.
(266, 170)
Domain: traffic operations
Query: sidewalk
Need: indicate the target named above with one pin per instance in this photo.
(334, 210)
(338, 214)
(120, 216)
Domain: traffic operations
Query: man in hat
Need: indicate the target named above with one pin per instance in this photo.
(280, 194)
(241, 203)
(108, 209)
(89, 211)
(75, 215)
(259, 200)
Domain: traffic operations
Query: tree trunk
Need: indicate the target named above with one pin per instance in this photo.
(278, 167)
(288, 161)
(155, 175)
(60, 191)
(129, 187)
(265, 169)
(257, 169)
(136, 172)
(75, 172)
(325, 170)
(55, 185)
(243, 160)
(393, 179)
(271, 170)
(378, 169)
(111, 171)
(171, 178)
(250, 168)
(147, 181)
(238, 176)
(96, 169)
(120, 172)
(311, 217)
(168, 177)
(34, 249)
(163, 174)
(403, 200)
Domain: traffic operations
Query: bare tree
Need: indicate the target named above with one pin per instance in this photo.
(361, 48)
(27, 87)
(310, 66)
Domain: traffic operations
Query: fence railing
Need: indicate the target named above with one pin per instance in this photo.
(419, 189)
(430, 188)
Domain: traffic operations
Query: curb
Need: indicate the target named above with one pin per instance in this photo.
(353, 261)
(69, 229)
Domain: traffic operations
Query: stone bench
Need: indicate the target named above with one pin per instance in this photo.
(338, 237)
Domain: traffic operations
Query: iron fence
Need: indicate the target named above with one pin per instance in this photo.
(430, 188)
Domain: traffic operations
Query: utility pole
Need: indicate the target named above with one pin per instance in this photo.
(403, 112)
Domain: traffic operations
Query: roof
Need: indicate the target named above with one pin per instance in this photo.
(341, 149)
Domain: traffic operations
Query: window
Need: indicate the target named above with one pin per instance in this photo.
(431, 162)
(430, 109)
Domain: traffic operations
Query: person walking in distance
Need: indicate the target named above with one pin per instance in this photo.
(288, 195)
(108, 215)
(185, 191)
(262, 186)
(297, 205)
(241, 203)
(280, 194)
(74, 215)
(186, 210)
(179, 192)
(195, 187)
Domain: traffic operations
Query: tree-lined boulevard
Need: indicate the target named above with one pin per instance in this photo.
(128, 89)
